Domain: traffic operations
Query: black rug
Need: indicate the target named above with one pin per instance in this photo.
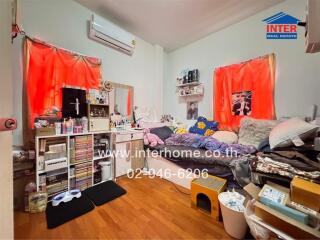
(104, 192)
(65, 212)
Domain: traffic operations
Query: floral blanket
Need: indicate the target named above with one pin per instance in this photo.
(209, 143)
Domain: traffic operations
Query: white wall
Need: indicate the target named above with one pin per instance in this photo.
(152, 71)
(64, 24)
(298, 73)
(6, 172)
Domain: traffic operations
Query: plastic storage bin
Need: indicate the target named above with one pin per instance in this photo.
(105, 170)
(232, 210)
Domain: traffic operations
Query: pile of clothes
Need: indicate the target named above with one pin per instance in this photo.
(287, 164)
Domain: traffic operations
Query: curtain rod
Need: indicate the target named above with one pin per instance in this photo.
(251, 59)
(22, 33)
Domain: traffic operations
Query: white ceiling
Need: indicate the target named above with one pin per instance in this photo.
(175, 23)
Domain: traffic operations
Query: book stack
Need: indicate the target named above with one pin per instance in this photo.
(72, 151)
(83, 149)
(56, 188)
(83, 146)
(83, 175)
(54, 182)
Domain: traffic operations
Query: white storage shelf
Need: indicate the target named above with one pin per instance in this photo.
(74, 134)
(68, 164)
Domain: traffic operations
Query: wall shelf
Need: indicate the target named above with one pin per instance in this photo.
(191, 95)
(189, 84)
(189, 90)
(99, 104)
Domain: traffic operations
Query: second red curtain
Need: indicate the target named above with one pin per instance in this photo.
(254, 78)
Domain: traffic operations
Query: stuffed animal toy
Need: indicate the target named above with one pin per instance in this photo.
(181, 131)
(204, 127)
(151, 139)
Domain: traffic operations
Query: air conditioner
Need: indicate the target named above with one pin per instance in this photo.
(111, 35)
(312, 26)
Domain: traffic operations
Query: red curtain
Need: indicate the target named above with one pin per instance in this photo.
(245, 89)
(129, 102)
(48, 69)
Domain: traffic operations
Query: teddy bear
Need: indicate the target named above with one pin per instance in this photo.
(151, 139)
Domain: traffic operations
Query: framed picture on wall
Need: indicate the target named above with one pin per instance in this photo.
(192, 110)
(241, 103)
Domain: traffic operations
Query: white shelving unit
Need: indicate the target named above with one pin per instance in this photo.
(66, 138)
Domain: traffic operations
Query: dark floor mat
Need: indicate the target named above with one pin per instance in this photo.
(104, 192)
(65, 212)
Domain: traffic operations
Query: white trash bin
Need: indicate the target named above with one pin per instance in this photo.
(105, 170)
(232, 209)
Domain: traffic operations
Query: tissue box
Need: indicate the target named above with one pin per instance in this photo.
(305, 193)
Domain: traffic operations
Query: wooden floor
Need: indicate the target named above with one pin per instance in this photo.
(151, 209)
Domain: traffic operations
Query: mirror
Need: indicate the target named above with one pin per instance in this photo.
(123, 100)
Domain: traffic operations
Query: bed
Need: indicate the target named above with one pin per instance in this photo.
(255, 161)
(184, 163)
(159, 164)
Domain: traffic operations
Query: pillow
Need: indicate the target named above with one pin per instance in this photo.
(204, 127)
(162, 132)
(254, 131)
(282, 134)
(225, 136)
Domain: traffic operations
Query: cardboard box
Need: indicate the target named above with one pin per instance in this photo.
(278, 220)
(305, 193)
(48, 131)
